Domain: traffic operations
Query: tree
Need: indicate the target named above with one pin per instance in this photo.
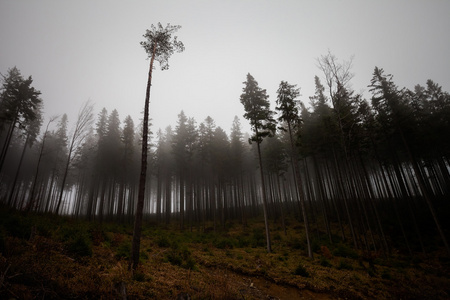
(391, 107)
(31, 128)
(159, 45)
(183, 146)
(80, 132)
(19, 105)
(289, 114)
(41, 152)
(257, 111)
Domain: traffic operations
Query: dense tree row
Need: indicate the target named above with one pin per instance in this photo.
(375, 172)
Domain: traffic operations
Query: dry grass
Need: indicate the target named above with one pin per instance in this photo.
(226, 265)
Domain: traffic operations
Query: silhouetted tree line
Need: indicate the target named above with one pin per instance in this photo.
(372, 171)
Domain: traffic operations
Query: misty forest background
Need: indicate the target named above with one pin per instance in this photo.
(374, 172)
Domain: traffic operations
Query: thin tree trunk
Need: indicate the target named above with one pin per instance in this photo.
(7, 141)
(136, 244)
(18, 169)
(264, 196)
(300, 191)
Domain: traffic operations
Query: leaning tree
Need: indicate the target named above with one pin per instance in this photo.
(159, 44)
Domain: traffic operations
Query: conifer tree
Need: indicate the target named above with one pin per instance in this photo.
(257, 111)
(287, 106)
(159, 45)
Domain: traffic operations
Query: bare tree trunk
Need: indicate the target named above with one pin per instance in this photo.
(425, 193)
(264, 196)
(31, 201)
(66, 171)
(79, 134)
(142, 179)
(18, 170)
(300, 191)
(7, 141)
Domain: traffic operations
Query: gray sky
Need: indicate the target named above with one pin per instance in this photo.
(80, 50)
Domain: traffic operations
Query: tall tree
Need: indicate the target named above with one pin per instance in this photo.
(79, 134)
(41, 152)
(390, 105)
(19, 105)
(257, 111)
(289, 114)
(31, 129)
(159, 45)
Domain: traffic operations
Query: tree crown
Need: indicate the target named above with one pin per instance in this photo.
(161, 44)
(257, 109)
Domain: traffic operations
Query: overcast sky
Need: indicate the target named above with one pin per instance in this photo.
(80, 50)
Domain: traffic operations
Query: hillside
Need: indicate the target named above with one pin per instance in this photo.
(49, 257)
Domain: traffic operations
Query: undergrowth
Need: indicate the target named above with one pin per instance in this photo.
(52, 255)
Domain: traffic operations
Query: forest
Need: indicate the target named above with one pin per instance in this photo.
(373, 174)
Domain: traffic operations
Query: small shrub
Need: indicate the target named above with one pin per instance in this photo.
(301, 271)
(80, 245)
(124, 250)
(326, 252)
(345, 251)
(258, 238)
(325, 263)
(315, 247)
(386, 275)
(139, 276)
(98, 235)
(224, 243)
(2, 242)
(242, 242)
(163, 242)
(189, 264)
(17, 227)
(174, 258)
(143, 255)
(297, 244)
(344, 265)
(277, 236)
(181, 257)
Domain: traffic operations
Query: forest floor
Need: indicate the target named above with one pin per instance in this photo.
(49, 257)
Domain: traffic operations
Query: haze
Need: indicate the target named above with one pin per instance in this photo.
(80, 50)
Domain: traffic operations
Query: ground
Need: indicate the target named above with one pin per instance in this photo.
(46, 257)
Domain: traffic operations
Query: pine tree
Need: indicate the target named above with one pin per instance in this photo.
(159, 45)
(257, 111)
(287, 106)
